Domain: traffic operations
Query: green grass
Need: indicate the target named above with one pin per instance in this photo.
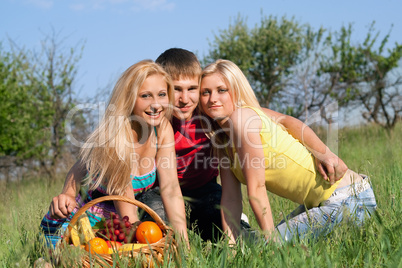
(378, 244)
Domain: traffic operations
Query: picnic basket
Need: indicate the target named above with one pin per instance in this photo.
(149, 255)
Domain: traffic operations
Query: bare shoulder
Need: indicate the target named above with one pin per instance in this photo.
(165, 131)
(245, 117)
(275, 116)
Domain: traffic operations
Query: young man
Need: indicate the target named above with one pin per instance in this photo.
(196, 168)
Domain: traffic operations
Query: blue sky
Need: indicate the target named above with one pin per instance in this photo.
(119, 33)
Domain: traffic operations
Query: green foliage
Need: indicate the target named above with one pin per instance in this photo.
(290, 64)
(36, 95)
(20, 106)
(234, 44)
(362, 73)
(266, 53)
(377, 244)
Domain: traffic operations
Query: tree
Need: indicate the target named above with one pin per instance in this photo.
(365, 76)
(56, 71)
(267, 53)
(39, 89)
(19, 132)
(305, 92)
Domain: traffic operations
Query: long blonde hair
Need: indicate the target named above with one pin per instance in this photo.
(241, 93)
(108, 150)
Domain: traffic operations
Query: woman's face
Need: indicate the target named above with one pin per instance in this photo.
(215, 99)
(152, 100)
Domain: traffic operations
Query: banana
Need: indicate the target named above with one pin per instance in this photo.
(82, 231)
(131, 246)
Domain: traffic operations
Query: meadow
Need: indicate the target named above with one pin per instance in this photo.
(368, 150)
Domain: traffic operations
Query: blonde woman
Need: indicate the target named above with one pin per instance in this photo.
(256, 151)
(133, 141)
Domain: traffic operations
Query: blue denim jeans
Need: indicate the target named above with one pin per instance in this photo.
(355, 203)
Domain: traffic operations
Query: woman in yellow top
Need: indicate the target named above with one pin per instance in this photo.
(256, 151)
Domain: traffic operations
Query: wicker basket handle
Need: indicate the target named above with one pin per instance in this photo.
(139, 204)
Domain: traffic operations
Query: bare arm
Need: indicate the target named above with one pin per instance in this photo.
(330, 166)
(171, 195)
(248, 145)
(231, 204)
(126, 209)
(63, 204)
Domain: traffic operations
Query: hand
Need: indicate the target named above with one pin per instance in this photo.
(62, 206)
(332, 168)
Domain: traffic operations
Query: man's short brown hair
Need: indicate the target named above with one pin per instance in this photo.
(180, 63)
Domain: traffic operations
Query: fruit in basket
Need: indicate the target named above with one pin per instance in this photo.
(97, 245)
(117, 229)
(148, 232)
(113, 246)
(81, 232)
(131, 246)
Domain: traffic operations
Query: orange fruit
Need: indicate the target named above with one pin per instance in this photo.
(148, 232)
(97, 245)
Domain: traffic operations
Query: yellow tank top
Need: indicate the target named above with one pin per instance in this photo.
(290, 168)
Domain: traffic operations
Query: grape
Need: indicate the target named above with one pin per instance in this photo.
(119, 229)
(121, 236)
(129, 234)
(127, 230)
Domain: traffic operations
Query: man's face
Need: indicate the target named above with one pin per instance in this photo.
(186, 95)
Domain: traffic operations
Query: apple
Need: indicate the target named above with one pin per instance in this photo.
(113, 246)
